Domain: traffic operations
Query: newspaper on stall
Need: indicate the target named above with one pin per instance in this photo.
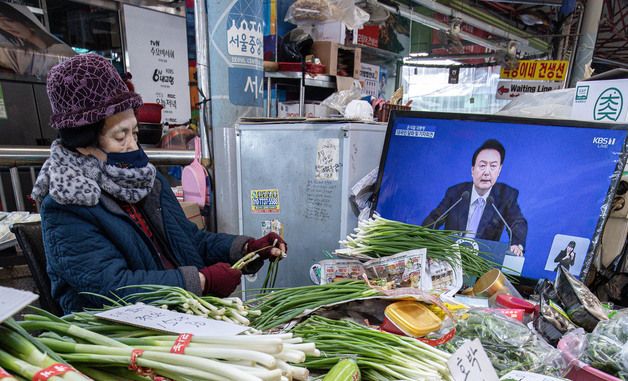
(330, 270)
(405, 269)
(443, 277)
(411, 269)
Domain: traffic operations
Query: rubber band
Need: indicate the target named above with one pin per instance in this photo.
(181, 343)
(135, 354)
(4, 373)
(52, 371)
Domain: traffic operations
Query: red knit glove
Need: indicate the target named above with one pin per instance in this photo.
(221, 279)
(270, 239)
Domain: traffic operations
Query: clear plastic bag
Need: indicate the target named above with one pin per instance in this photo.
(509, 344)
(607, 346)
(340, 99)
(309, 12)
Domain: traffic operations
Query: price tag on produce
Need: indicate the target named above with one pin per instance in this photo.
(12, 301)
(145, 316)
(470, 363)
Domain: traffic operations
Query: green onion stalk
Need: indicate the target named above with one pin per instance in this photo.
(241, 358)
(283, 305)
(177, 299)
(379, 237)
(379, 355)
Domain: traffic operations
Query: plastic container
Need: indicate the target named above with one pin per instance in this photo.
(512, 302)
(580, 371)
(410, 318)
(149, 113)
(494, 282)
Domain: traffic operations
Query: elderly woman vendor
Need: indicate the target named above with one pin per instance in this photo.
(109, 219)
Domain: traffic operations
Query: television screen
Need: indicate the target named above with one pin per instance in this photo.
(530, 192)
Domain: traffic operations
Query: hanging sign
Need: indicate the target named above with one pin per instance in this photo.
(537, 70)
(157, 54)
(512, 89)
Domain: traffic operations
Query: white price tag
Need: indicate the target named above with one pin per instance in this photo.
(144, 316)
(12, 301)
(470, 363)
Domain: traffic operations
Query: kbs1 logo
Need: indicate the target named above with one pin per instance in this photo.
(601, 142)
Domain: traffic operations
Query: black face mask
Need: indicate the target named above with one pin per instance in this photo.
(132, 159)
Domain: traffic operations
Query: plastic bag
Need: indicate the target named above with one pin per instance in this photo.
(509, 344)
(548, 105)
(295, 45)
(551, 322)
(583, 308)
(607, 346)
(339, 100)
(309, 12)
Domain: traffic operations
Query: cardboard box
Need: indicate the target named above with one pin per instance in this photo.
(333, 55)
(193, 213)
(335, 31)
(601, 101)
(312, 110)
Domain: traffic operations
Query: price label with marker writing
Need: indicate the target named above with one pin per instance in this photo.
(470, 363)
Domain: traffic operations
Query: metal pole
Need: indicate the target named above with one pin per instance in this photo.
(269, 89)
(586, 42)
(17, 189)
(202, 73)
(36, 156)
(301, 97)
(3, 198)
(33, 180)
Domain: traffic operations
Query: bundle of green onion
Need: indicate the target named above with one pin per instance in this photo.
(380, 356)
(23, 356)
(177, 299)
(283, 305)
(379, 237)
(237, 358)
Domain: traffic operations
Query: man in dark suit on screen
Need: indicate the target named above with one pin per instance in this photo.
(472, 203)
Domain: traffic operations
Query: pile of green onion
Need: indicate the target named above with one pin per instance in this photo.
(236, 358)
(380, 356)
(379, 237)
(231, 310)
(23, 356)
(283, 305)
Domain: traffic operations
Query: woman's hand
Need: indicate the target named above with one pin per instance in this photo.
(220, 279)
(271, 246)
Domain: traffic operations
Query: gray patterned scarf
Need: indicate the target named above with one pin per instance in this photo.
(74, 179)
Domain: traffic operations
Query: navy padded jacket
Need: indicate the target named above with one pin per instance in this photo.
(98, 249)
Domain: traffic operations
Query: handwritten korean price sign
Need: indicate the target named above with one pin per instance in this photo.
(537, 70)
(470, 363)
(144, 316)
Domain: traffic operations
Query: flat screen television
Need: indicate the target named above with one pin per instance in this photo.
(549, 182)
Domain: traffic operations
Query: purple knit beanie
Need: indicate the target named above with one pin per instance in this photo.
(86, 89)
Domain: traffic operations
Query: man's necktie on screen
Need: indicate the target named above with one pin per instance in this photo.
(474, 221)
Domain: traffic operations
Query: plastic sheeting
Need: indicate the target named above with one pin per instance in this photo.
(429, 90)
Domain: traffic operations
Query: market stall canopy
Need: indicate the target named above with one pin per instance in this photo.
(26, 48)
